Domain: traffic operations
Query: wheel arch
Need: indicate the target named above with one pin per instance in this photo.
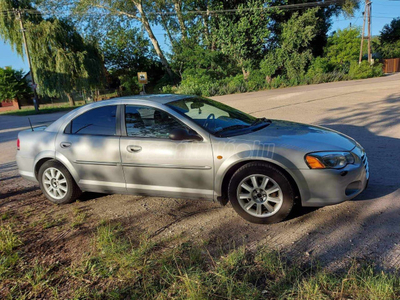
(42, 160)
(223, 199)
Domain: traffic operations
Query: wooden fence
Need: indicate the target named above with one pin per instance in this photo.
(391, 65)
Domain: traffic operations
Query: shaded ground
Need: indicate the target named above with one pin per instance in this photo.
(366, 228)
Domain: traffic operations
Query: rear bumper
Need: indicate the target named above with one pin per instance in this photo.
(328, 187)
(26, 167)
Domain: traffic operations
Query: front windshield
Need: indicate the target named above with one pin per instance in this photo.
(213, 116)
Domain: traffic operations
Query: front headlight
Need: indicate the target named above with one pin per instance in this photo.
(329, 160)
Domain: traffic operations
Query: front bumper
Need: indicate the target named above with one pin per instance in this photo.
(328, 187)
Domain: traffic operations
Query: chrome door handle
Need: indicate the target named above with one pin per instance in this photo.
(132, 148)
(65, 144)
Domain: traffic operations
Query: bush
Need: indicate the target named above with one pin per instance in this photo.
(205, 86)
(319, 65)
(321, 71)
(364, 70)
(130, 84)
(256, 81)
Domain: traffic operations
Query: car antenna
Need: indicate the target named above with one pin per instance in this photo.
(30, 123)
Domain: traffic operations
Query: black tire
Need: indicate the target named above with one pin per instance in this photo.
(73, 191)
(287, 193)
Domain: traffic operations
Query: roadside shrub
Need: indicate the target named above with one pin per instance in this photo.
(364, 70)
(234, 84)
(278, 82)
(256, 81)
(319, 65)
(130, 84)
(168, 89)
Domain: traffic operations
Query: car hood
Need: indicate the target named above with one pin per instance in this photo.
(302, 137)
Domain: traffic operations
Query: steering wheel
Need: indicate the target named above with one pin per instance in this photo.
(209, 118)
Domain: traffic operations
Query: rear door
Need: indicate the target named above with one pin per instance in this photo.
(90, 143)
(153, 164)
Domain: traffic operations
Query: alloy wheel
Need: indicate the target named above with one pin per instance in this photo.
(55, 183)
(259, 195)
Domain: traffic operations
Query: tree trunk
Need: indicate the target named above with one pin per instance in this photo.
(166, 28)
(153, 39)
(178, 11)
(206, 29)
(246, 73)
(70, 99)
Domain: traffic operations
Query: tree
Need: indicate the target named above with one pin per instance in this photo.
(62, 61)
(294, 53)
(126, 49)
(391, 32)
(126, 52)
(13, 85)
(67, 62)
(116, 13)
(242, 34)
(343, 46)
(324, 15)
(389, 40)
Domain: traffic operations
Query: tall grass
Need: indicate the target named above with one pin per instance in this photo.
(120, 268)
(145, 270)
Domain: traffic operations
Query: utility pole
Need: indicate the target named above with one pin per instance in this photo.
(367, 18)
(35, 96)
(369, 31)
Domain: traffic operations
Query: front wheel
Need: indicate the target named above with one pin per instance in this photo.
(57, 183)
(261, 193)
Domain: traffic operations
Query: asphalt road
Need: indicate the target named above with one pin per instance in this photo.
(366, 228)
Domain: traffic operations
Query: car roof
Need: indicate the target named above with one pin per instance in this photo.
(158, 98)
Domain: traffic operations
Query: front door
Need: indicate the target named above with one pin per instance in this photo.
(90, 144)
(153, 164)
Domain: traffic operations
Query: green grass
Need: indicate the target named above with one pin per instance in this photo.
(79, 217)
(118, 267)
(145, 270)
(44, 109)
(9, 258)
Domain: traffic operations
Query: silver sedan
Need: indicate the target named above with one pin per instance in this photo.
(186, 146)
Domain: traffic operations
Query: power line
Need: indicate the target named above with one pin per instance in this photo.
(233, 10)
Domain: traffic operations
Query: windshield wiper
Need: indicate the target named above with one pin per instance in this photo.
(260, 120)
(232, 127)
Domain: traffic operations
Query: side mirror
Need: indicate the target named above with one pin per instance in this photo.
(180, 134)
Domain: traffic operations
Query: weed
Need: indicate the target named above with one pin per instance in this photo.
(8, 240)
(5, 216)
(79, 217)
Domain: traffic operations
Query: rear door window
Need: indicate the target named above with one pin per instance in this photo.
(98, 121)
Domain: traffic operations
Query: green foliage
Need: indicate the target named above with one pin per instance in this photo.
(389, 40)
(63, 61)
(343, 46)
(13, 84)
(293, 55)
(125, 49)
(241, 36)
(391, 32)
(129, 84)
(191, 58)
(364, 70)
(205, 86)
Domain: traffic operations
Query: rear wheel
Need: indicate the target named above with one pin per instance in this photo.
(261, 193)
(57, 183)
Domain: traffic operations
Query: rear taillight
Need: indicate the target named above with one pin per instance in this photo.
(18, 144)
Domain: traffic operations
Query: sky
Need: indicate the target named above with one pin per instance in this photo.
(383, 11)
